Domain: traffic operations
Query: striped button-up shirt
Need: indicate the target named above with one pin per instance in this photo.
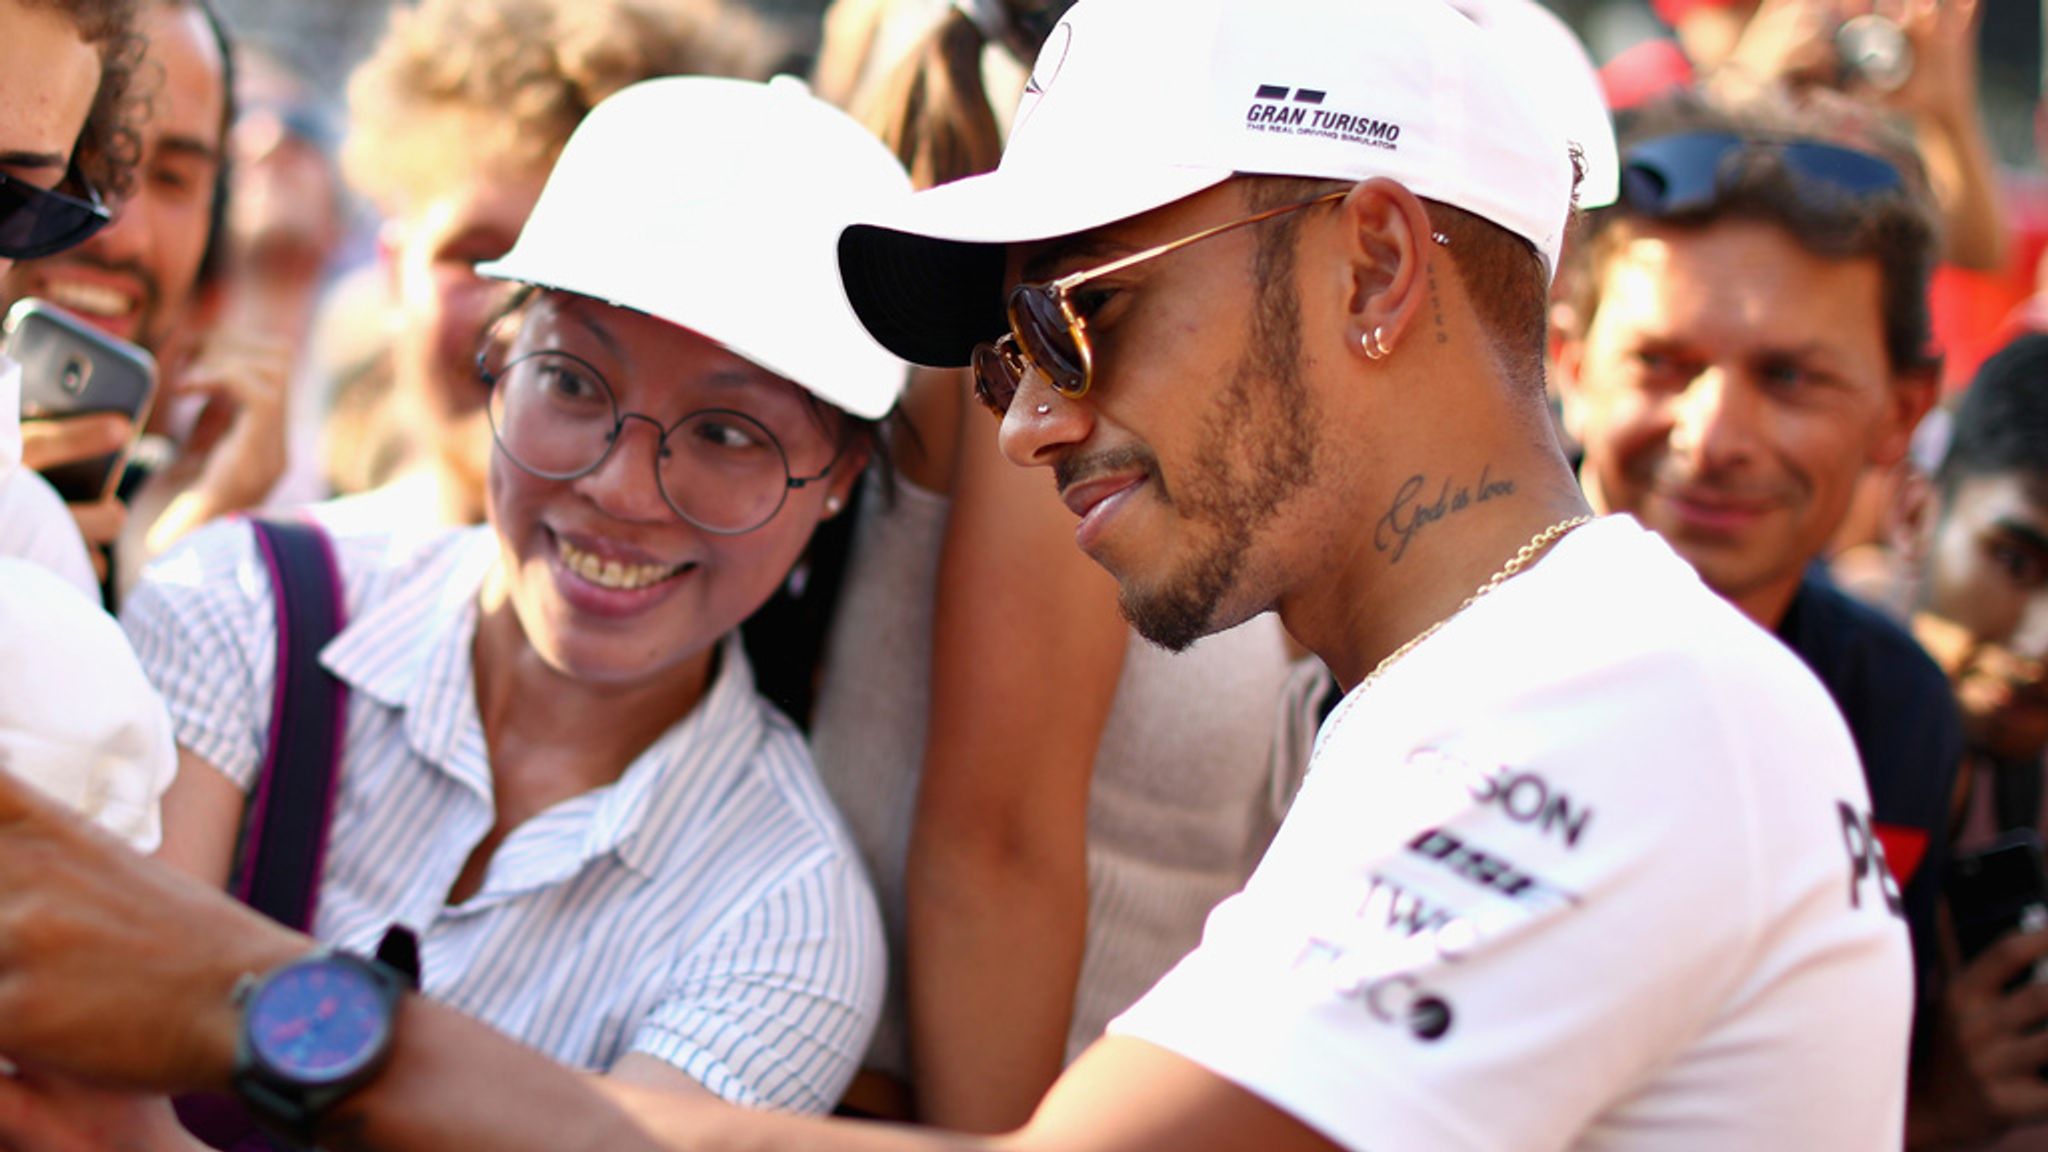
(706, 909)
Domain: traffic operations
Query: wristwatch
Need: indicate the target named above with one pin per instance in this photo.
(312, 1031)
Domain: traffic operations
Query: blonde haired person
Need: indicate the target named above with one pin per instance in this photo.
(455, 119)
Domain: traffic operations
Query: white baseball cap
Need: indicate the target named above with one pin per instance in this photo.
(715, 204)
(1134, 104)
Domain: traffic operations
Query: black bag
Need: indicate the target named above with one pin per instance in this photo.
(284, 829)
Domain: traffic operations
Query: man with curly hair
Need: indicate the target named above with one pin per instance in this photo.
(64, 72)
(69, 68)
(151, 277)
(455, 120)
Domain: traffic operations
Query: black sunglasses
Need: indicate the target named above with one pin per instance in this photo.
(1672, 175)
(1047, 332)
(39, 221)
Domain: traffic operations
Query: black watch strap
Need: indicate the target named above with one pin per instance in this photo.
(399, 951)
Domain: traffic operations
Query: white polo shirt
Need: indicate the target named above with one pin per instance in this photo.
(1592, 869)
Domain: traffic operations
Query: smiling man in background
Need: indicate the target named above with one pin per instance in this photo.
(146, 278)
(65, 71)
(1743, 335)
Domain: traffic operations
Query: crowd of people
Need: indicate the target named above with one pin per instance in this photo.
(1484, 617)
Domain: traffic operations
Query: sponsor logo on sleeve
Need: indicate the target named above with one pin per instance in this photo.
(1408, 915)
(1403, 1001)
(1868, 871)
(1291, 111)
(1487, 869)
(1525, 797)
(1396, 999)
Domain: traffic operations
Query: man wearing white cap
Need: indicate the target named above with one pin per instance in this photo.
(1583, 859)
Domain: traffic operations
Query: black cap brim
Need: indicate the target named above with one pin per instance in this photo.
(929, 301)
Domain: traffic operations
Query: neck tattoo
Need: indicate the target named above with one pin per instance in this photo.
(1516, 563)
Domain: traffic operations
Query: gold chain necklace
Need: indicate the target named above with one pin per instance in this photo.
(1515, 564)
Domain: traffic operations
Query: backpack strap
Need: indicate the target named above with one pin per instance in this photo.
(284, 842)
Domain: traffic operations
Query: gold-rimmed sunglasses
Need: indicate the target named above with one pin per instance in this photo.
(1047, 334)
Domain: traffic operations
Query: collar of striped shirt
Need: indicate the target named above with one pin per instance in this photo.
(411, 652)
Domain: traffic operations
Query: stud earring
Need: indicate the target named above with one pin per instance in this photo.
(1442, 240)
(833, 505)
(1044, 408)
(1374, 344)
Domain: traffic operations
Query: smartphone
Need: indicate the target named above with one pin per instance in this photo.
(69, 368)
(1998, 889)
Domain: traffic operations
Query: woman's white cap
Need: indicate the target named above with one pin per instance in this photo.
(1134, 104)
(716, 205)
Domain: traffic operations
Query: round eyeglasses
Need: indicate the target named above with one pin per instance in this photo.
(554, 416)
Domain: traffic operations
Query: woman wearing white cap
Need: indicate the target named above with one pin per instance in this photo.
(556, 769)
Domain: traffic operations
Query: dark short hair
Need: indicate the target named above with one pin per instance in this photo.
(109, 146)
(1503, 274)
(2001, 423)
(1897, 227)
(211, 263)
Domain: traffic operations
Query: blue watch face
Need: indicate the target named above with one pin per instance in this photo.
(318, 1022)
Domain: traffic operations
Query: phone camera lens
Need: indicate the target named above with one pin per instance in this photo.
(77, 372)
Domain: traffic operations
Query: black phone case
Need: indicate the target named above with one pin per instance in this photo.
(70, 368)
(1998, 889)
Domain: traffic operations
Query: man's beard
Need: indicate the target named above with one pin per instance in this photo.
(1256, 449)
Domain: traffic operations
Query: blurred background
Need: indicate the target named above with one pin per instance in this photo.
(325, 38)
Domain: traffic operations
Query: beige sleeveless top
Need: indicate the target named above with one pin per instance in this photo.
(1201, 753)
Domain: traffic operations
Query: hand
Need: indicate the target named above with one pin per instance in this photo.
(114, 970)
(1950, 644)
(1942, 87)
(43, 1114)
(236, 451)
(47, 444)
(1789, 41)
(51, 443)
(2001, 693)
(2000, 1034)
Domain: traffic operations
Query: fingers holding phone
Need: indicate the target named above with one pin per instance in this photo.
(52, 443)
(85, 396)
(56, 444)
(1999, 1028)
(1997, 1003)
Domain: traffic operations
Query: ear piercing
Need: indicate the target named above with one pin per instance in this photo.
(1043, 409)
(833, 504)
(1374, 344)
(1442, 240)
